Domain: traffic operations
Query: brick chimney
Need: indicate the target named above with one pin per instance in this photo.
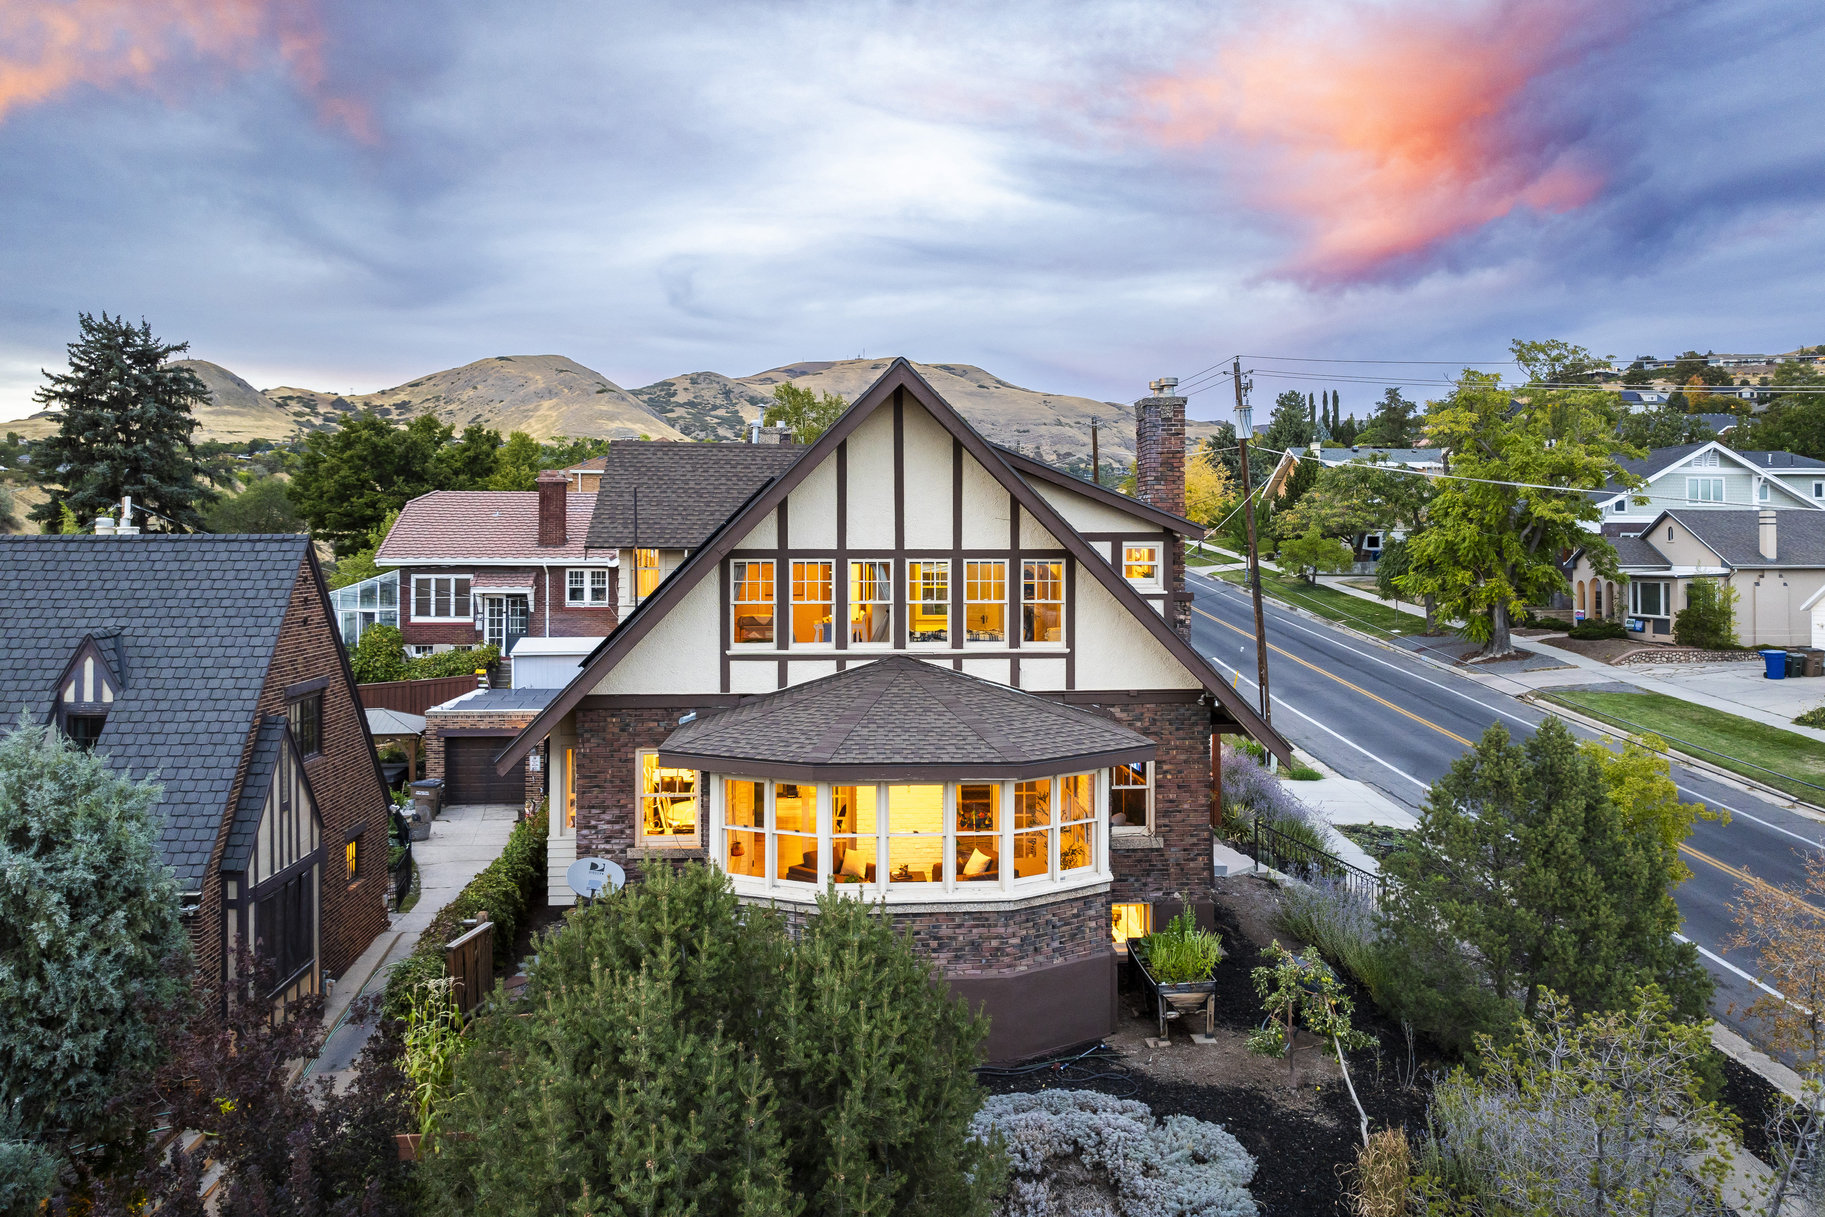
(553, 529)
(1765, 534)
(1159, 448)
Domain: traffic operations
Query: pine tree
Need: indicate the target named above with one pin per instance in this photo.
(125, 428)
(1289, 428)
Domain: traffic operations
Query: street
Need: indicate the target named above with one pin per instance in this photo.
(1383, 716)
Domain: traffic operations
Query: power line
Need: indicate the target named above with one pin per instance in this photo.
(1453, 363)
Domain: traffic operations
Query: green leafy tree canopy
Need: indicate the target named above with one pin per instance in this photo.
(124, 428)
(348, 479)
(1311, 554)
(264, 507)
(809, 414)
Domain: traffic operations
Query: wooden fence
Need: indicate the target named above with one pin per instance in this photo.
(413, 696)
(469, 961)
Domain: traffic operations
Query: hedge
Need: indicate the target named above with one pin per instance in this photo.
(506, 888)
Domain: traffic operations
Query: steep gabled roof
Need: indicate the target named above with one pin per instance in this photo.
(1027, 467)
(902, 719)
(194, 619)
(899, 378)
(669, 495)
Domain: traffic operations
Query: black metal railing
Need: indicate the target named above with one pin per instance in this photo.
(1291, 856)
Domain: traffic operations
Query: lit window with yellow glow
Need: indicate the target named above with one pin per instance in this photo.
(813, 603)
(1130, 921)
(1076, 822)
(1141, 565)
(751, 603)
(979, 832)
(795, 824)
(1131, 796)
(744, 813)
(915, 834)
(570, 788)
(351, 858)
(1042, 602)
(668, 802)
(856, 837)
(1033, 828)
(928, 594)
(646, 573)
(870, 603)
(985, 602)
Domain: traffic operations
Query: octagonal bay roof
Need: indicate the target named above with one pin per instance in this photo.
(902, 719)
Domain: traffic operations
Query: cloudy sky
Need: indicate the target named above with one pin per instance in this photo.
(1077, 196)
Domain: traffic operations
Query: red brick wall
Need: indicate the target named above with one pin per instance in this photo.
(1180, 863)
(548, 586)
(606, 816)
(343, 778)
(439, 721)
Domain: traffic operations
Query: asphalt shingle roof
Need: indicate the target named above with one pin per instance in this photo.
(680, 492)
(261, 764)
(903, 717)
(1799, 536)
(455, 525)
(486, 701)
(1637, 551)
(194, 621)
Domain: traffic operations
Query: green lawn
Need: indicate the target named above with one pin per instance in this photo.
(1368, 616)
(1785, 760)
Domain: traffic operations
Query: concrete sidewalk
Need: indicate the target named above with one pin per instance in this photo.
(464, 840)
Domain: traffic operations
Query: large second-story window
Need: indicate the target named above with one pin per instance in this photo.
(751, 602)
(1705, 490)
(928, 607)
(440, 597)
(306, 716)
(813, 603)
(870, 603)
(1042, 602)
(1141, 565)
(985, 602)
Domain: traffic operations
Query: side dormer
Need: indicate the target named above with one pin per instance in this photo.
(88, 689)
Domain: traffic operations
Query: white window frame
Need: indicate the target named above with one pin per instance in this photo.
(1818, 490)
(433, 581)
(973, 564)
(912, 591)
(769, 589)
(1693, 486)
(1666, 596)
(1063, 608)
(1762, 493)
(668, 841)
(795, 586)
(1153, 582)
(581, 583)
(1131, 829)
(884, 601)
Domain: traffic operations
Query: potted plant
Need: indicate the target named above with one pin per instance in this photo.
(1178, 963)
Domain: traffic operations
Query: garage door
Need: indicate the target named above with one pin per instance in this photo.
(469, 775)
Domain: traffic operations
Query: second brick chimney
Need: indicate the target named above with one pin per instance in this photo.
(553, 525)
(1159, 448)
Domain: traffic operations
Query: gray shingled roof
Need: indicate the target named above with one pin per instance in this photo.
(194, 620)
(1637, 552)
(1799, 536)
(681, 492)
(902, 718)
(490, 701)
(261, 764)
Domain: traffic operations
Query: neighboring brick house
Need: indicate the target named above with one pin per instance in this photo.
(495, 566)
(212, 665)
(930, 671)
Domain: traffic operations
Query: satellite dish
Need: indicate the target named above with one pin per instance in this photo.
(588, 876)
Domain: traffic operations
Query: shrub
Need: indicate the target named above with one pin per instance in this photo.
(1251, 793)
(505, 889)
(1709, 618)
(1299, 772)
(1596, 630)
(1383, 1175)
(1182, 952)
(379, 655)
(1076, 1151)
(1343, 927)
(1580, 1117)
(452, 663)
(1814, 717)
(677, 1052)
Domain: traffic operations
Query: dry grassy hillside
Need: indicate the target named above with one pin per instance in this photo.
(1053, 426)
(237, 411)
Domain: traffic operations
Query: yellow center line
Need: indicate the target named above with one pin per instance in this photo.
(1340, 680)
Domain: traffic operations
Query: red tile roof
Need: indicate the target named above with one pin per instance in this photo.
(482, 525)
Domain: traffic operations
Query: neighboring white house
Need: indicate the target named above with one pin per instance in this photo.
(1709, 476)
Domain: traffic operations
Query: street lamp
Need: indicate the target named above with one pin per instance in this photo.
(1245, 431)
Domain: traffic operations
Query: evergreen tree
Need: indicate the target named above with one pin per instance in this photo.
(349, 479)
(91, 948)
(124, 428)
(1523, 876)
(263, 507)
(1289, 428)
(1393, 424)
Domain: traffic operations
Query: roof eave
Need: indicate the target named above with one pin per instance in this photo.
(909, 771)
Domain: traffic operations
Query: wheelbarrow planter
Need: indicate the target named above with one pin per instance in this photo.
(1175, 1000)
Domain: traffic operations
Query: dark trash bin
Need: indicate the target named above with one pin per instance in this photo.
(1796, 663)
(1777, 664)
(428, 798)
(1815, 661)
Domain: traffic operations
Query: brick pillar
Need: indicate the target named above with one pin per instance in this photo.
(553, 526)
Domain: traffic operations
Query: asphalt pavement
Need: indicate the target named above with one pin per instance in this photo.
(1381, 714)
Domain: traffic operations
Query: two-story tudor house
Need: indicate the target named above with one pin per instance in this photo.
(495, 566)
(931, 673)
(212, 665)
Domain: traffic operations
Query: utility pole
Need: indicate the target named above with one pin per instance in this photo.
(1245, 431)
(1096, 460)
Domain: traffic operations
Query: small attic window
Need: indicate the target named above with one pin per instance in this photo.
(85, 694)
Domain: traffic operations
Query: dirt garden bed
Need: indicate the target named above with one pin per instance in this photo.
(1295, 1119)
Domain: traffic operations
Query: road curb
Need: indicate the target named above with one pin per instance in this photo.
(1811, 811)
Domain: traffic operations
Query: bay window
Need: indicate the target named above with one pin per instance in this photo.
(668, 802)
(813, 603)
(927, 841)
(985, 602)
(870, 603)
(751, 608)
(928, 595)
(1042, 602)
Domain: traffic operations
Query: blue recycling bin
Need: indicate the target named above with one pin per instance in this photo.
(1777, 664)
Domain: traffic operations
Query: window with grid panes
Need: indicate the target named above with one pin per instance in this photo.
(985, 602)
(751, 608)
(1042, 602)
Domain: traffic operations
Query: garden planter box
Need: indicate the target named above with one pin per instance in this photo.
(1175, 1001)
